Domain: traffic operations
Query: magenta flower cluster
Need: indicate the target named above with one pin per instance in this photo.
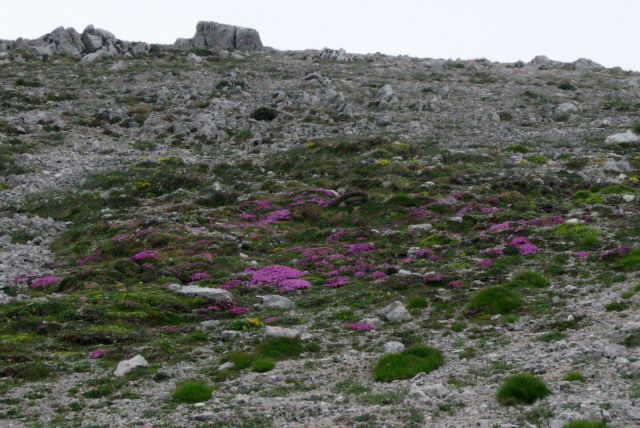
(199, 276)
(45, 281)
(337, 282)
(360, 326)
(145, 255)
(524, 246)
(283, 277)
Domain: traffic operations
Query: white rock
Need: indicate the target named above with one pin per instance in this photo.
(274, 331)
(274, 301)
(215, 294)
(566, 108)
(623, 138)
(126, 366)
(210, 323)
(226, 366)
(437, 390)
(393, 347)
(419, 229)
(395, 312)
(230, 334)
(629, 198)
(376, 323)
(613, 350)
(194, 58)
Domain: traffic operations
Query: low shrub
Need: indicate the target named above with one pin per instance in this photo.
(522, 389)
(407, 364)
(192, 391)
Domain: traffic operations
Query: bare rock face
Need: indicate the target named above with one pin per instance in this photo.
(214, 35)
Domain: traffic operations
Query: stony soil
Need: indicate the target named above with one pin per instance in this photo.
(167, 155)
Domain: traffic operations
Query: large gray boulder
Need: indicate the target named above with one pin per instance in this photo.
(96, 38)
(210, 35)
(67, 41)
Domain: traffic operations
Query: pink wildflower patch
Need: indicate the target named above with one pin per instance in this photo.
(98, 353)
(426, 253)
(499, 227)
(581, 254)
(378, 275)
(359, 248)
(276, 216)
(145, 255)
(247, 216)
(455, 284)
(360, 326)
(199, 276)
(231, 284)
(119, 238)
(485, 263)
(524, 246)
(90, 258)
(238, 310)
(615, 252)
(492, 252)
(264, 204)
(337, 282)
(294, 284)
(275, 274)
(207, 256)
(45, 281)
(433, 278)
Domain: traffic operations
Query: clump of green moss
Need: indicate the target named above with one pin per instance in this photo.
(280, 348)
(522, 388)
(407, 364)
(586, 423)
(494, 300)
(574, 377)
(264, 113)
(529, 279)
(192, 391)
(583, 237)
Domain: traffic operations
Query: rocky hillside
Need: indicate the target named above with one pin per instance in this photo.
(214, 233)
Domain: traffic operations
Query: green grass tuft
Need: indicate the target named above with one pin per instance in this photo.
(522, 389)
(494, 300)
(192, 391)
(529, 279)
(574, 377)
(263, 364)
(413, 360)
(280, 348)
(585, 423)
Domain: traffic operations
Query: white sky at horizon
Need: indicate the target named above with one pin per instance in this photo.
(607, 31)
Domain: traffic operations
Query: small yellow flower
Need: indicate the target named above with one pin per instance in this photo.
(383, 162)
(254, 322)
(633, 179)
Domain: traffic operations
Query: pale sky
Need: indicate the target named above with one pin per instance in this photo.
(607, 31)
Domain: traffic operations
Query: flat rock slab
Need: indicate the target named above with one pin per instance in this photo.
(214, 294)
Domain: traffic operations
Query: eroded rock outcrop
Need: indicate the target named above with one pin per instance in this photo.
(211, 35)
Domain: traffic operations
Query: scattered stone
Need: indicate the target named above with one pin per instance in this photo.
(230, 334)
(210, 35)
(437, 390)
(395, 312)
(213, 294)
(127, 366)
(274, 331)
(420, 229)
(274, 301)
(393, 347)
(627, 137)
